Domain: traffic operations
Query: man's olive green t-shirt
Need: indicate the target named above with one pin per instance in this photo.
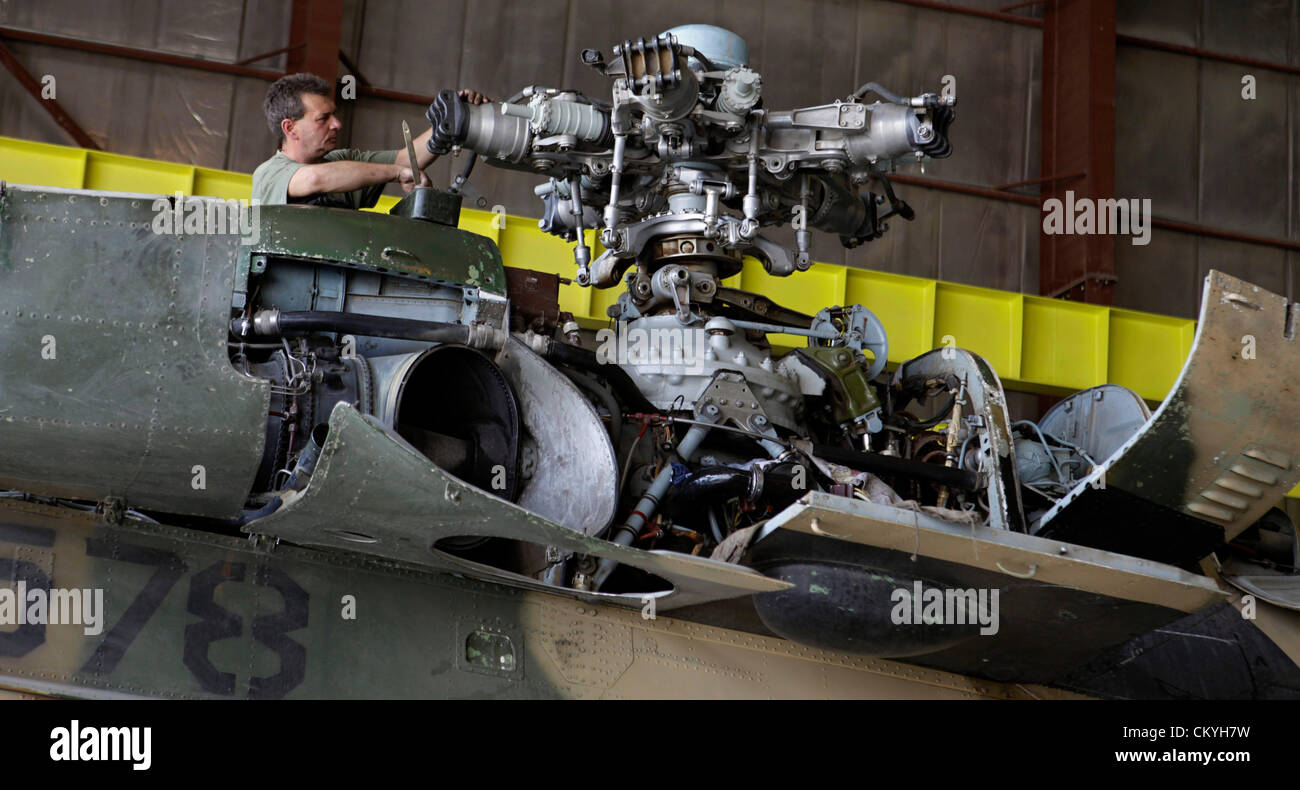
(271, 180)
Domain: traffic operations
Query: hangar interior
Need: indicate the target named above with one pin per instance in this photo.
(1153, 106)
(1188, 105)
(1162, 96)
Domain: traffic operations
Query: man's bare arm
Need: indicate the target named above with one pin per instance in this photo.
(342, 176)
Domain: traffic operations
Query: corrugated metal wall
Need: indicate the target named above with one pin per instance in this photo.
(1185, 138)
(809, 52)
(148, 109)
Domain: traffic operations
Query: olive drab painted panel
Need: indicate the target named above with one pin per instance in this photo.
(189, 614)
(114, 373)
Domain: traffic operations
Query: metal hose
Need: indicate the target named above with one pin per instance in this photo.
(273, 323)
(878, 464)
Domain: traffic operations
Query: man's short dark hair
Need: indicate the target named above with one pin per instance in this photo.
(284, 99)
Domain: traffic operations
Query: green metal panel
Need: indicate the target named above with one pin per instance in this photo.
(114, 376)
(399, 504)
(214, 616)
(1222, 448)
(376, 242)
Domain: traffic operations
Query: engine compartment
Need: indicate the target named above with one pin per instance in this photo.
(383, 385)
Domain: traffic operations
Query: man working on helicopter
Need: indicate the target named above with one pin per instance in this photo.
(308, 168)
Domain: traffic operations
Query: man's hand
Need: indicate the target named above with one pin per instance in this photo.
(406, 178)
(473, 97)
(421, 143)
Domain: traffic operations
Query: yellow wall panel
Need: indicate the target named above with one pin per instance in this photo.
(117, 173)
(26, 162)
(1065, 344)
(224, 184)
(905, 305)
(1147, 351)
(981, 320)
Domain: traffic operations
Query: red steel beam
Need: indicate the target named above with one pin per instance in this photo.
(154, 56)
(50, 105)
(384, 93)
(1043, 180)
(352, 68)
(266, 55)
(1001, 15)
(968, 11)
(1078, 135)
(1220, 233)
(1241, 60)
(136, 53)
(966, 189)
(315, 31)
(996, 193)
(1025, 4)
